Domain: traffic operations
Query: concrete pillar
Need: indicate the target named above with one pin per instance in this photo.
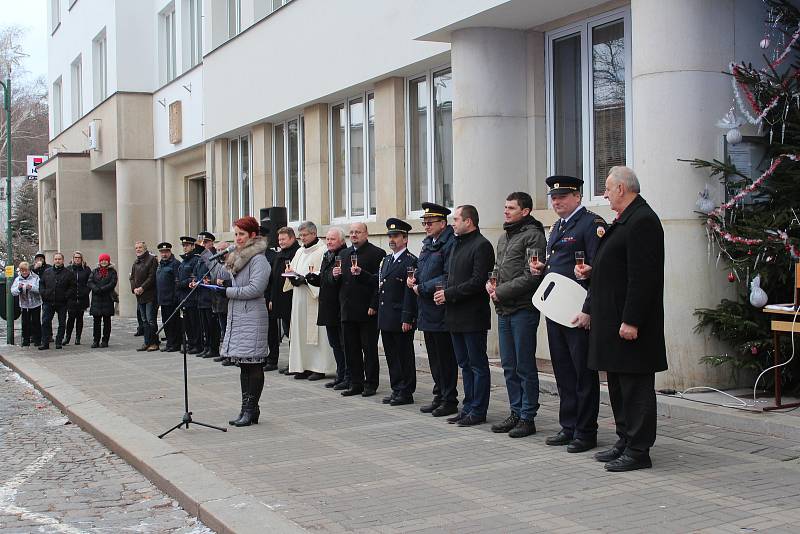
(390, 158)
(537, 119)
(490, 123)
(220, 174)
(678, 95)
(261, 135)
(317, 183)
(135, 221)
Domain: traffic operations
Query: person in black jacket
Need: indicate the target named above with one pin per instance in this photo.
(102, 283)
(328, 312)
(467, 312)
(625, 306)
(187, 275)
(40, 264)
(56, 286)
(167, 295)
(279, 302)
(431, 270)
(205, 298)
(79, 300)
(358, 300)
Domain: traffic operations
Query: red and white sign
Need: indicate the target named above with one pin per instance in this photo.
(33, 161)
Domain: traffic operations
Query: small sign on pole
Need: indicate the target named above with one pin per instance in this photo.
(9, 271)
(33, 161)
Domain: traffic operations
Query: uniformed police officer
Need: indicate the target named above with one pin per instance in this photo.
(205, 299)
(166, 293)
(187, 277)
(576, 230)
(397, 313)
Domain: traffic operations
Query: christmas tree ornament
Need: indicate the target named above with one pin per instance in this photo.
(764, 44)
(731, 123)
(758, 297)
(731, 277)
(704, 203)
(754, 350)
(734, 136)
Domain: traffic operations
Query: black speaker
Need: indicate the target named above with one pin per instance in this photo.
(271, 220)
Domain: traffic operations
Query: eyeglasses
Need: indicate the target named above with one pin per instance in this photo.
(430, 223)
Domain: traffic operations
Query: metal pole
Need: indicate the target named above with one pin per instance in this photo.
(10, 258)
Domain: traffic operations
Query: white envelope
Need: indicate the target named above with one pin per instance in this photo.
(559, 298)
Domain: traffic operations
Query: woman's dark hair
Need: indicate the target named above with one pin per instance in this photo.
(248, 224)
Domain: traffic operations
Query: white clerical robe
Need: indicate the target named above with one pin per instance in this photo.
(308, 343)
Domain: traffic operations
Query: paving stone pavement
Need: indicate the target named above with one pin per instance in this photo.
(337, 464)
(56, 478)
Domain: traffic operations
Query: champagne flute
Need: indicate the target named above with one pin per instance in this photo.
(338, 262)
(580, 258)
(354, 260)
(533, 255)
(287, 266)
(411, 271)
(493, 277)
(310, 267)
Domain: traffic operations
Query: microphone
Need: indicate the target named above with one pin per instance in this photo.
(222, 253)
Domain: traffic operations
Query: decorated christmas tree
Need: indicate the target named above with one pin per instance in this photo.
(754, 230)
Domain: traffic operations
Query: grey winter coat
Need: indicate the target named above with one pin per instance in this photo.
(246, 333)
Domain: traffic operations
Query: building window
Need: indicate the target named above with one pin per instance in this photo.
(58, 124)
(100, 61)
(288, 168)
(352, 156)
(239, 183)
(588, 99)
(77, 89)
(55, 15)
(91, 226)
(195, 32)
(429, 131)
(169, 41)
(234, 18)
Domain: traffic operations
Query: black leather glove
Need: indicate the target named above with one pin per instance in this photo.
(298, 280)
(313, 279)
(227, 283)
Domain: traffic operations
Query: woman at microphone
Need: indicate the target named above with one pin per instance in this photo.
(245, 339)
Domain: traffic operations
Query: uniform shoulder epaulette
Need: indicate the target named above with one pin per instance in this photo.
(411, 254)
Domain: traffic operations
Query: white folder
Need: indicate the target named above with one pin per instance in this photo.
(559, 298)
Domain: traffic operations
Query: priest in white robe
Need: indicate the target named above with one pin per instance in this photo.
(310, 355)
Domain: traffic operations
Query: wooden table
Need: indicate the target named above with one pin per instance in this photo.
(782, 323)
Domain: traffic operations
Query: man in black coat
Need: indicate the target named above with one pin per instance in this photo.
(205, 298)
(328, 307)
(397, 314)
(625, 306)
(358, 299)
(279, 302)
(56, 285)
(187, 277)
(143, 285)
(166, 291)
(467, 312)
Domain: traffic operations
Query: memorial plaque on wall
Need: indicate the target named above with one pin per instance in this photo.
(175, 118)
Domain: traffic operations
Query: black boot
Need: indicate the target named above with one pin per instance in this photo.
(77, 340)
(66, 339)
(96, 344)
(243, 387)
(245, 402)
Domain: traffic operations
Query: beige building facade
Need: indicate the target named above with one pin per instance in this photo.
(360, 110)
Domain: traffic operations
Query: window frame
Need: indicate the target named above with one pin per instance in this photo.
(169, 43)
(430, 141)
(239, 201)
(58, 106)
(55, 15)
(195, 15)
(368, 209)
(76, 88)
(301, 170)
(100, 67)
(584, 28)
(238, 10)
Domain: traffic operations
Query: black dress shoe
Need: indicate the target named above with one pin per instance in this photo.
(562, 438)
(368, 392)
(202, 354)
(506, 425)
(26, 344)
(357, 390)
(456, 418)
(331, 383)
(302, 376)
(220, 359)
(608, 455)
(172, 349)
(104, 344)
(628, 463)
(270, 367)
(445, 409)
(283, 370)
(95, 344)
(315, 376)
(210, 354)
(400, 400)
(471, 420)
(193, 350)
(227, 362)
(524, 428)
(341, 386)
(581, 445)
(44, 347)
(428, 408)
(389, 398)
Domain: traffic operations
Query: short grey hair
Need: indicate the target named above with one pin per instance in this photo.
(626, 177)
(308, 226)
(338, 231)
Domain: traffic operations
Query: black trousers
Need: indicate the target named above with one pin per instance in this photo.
(337, 345)
(633, 400)
(192, 326)
(105, 321)
(210, 330)
(578, 386)
(75, 320)
(172, 329)
(32, 325)
(361, 349)
(444, 369)
(48, 312)
(399, 348)
(222, 319)
(277, 328)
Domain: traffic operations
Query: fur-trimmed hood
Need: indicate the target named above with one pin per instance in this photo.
(237, 259)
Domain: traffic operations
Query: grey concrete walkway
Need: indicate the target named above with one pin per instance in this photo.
(328, 463)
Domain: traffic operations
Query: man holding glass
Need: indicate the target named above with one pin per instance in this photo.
(511, 289)
(574, 238)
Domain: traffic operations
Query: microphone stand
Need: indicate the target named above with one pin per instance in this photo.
(187, 415)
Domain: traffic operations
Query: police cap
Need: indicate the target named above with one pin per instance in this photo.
(559, 184)
(397, 226)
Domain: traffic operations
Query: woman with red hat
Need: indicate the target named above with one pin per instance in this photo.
(102, 282)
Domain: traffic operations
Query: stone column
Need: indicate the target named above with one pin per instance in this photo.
(390, 162)
(135, 221)
(678, 94)
(261, 135)
(490, 123)
(315, 134)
